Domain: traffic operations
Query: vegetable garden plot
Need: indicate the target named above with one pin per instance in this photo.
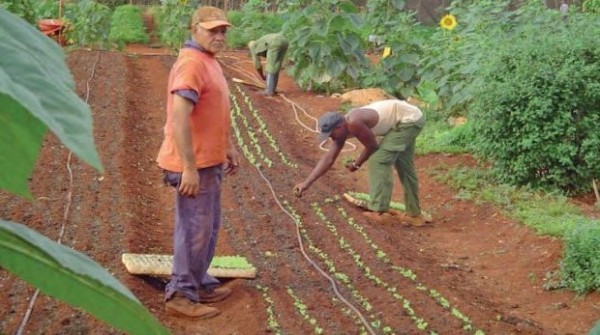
(128, 210)
(359, 276)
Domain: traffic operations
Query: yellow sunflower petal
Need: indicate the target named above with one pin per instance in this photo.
(386, 52)
(448, 22)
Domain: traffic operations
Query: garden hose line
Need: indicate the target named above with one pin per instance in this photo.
(312, 262)
(65, 211)
(295, 106)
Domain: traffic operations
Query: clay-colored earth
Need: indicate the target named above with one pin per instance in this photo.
(473, 267)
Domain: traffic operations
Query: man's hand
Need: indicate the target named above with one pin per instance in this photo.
(351, 166)
(299, 189)
(190, 183)
(232, 164)
(261, 74)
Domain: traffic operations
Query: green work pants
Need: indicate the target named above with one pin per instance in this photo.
(397, 149)
(275, 54)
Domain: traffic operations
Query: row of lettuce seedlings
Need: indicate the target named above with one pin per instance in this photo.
(343, 278)
(406, 273)
(238, 116)
(264, 130)
(419, 322)
(241, 126)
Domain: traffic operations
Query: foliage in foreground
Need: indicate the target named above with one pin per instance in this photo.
(536, 113)
(33, 63)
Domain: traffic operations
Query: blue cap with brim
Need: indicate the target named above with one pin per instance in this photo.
(327, 123)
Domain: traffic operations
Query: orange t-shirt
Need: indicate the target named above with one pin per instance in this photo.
(210, 120)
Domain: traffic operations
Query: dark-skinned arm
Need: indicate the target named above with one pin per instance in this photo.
(364, 134)
(322, 166)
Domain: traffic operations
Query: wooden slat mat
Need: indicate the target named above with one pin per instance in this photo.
(161, 265)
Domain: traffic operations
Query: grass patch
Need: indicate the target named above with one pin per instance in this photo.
(440, 137)
(548, 214)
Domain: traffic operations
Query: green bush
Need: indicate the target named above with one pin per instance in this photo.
(580, 267)
(537, 111)
(451, 58)
(32, 10)
(326, 48)
(173, 22)
(250, 25)
(398, 29)
(127, 26)
(87, 23)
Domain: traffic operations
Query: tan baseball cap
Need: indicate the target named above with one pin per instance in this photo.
(209, 17)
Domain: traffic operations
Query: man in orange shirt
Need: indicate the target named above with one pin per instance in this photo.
(197, 150)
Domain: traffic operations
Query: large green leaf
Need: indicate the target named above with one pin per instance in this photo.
(20, 130)
(73, 277)
(34, 75)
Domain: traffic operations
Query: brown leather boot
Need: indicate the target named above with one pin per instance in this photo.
(379, 217)
(182, 306)
(215, 295)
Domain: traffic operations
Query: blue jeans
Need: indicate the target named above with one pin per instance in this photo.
(197, 223)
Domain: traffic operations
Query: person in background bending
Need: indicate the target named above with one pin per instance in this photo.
(564, 10)
(273, 47)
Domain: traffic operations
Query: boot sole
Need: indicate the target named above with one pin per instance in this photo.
(175, 312)
(215, 299)
(356, 202)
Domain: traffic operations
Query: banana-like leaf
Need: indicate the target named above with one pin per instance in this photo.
(20, 141)
(74, 278)
(34, 78)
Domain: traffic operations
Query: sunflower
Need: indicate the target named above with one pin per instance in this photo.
(386, 52)
(448, 22)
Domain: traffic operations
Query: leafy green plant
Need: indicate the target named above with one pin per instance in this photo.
(33, 63)
(398, 30)
(536, 112)
(74, 278)
(591, 6)
(231, 262)
(127, 26)
(580, 266)
(451, 57)
(173, 21)
(251, 23)
(87, 23)
(32, 10)
(326, 49)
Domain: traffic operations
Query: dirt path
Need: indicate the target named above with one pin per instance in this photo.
(473, 268)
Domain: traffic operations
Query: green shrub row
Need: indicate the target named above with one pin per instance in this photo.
(127, 26)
